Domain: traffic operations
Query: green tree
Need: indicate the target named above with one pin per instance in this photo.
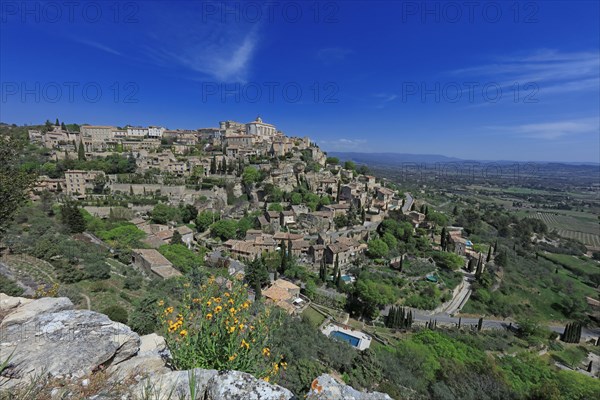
(176, 239)
(81, 152)
(14, 182)
(296, 198)
(256, 273)
(350, 165)
(205, 219)
(188, 213)
(250, 175)
(332, 160)
(377, 248)
(225, 229)
(162, 214)
(72, 217)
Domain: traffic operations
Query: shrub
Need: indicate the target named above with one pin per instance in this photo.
(217, 328)
(116, 313)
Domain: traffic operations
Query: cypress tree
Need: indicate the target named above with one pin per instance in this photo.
(459, 322)
(224, 166)
(443, 239)
(213, 165)
(489, 255)
(81, 152)
(338, 281)
(479, 267)
(176, 239)
(283, 256)
(290, 254)
(257, 290)
(479, 324)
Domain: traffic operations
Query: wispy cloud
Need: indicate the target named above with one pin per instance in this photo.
(98, 46)
(333, 55)
(552, 130)
(343, 144)
(382, 99)
(224, 61)
(552, 71)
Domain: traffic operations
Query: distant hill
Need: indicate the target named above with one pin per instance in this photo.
(392, 159)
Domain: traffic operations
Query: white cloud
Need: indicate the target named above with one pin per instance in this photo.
(98, 46)
(343, 144)
(553, 71)
(552, 130)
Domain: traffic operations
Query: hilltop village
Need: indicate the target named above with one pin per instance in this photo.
(268, 237)
(296, 197)
(250, 192)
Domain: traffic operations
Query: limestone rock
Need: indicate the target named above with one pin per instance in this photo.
(7, 303)
(48, 337)
(235, 385)
(325, 387)
(27, 311)
(174, 384)
(148, 362)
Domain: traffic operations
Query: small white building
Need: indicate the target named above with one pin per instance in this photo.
(156, 131)
(137, 131)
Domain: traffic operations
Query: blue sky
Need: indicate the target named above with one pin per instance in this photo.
(494, 80)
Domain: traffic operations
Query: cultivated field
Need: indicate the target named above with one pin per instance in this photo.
(578, 226)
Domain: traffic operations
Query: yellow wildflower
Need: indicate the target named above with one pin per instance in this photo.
(209, 316)
(232, 310)
(218, 309)
(183, 332)
(232, 329)
(161, 303)
(245, 344)
(266, 379)
(266, 352)
(226, 294)
(233, 357)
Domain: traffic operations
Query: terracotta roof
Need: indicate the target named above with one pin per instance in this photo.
(153, 257)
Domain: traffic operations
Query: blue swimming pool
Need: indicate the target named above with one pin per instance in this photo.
(345, 337)
(346, 278)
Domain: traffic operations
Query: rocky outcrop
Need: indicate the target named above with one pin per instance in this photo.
(47, 336)
(325, 387)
